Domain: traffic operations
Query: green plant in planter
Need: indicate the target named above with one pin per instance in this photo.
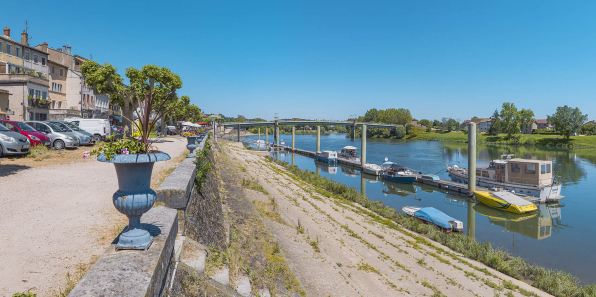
(30, 97)
(129, 146)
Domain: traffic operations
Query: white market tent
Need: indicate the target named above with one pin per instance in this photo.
(188, 124)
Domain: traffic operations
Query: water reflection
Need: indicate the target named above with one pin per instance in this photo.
(325, 167)
(403, 190)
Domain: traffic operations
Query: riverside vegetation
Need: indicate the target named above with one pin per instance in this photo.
(555, 282)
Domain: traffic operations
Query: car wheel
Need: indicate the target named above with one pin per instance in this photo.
(59, 144)
(1, 151)
(96, 138)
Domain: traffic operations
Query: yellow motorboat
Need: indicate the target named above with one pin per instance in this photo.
(505, 201)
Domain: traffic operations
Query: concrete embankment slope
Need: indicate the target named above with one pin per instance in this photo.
(337, 250)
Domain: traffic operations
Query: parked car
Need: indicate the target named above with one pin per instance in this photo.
(35, 137)
(116, 133)
(59, 137)
(99, 128)
(171, 130)
(13, 143)
(84, 137)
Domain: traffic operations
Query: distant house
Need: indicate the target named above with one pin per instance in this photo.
(538, 124)
(483, 124)
(414, 122)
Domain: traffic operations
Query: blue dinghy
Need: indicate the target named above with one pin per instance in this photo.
(431, 215)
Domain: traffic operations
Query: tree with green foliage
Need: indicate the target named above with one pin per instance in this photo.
(495, 124)
(526, 117)
(425, 123)
(436, 123)
(371, 116)
(510, 123)
(567, 120)
(400, 132)
(409, 128)
(240, 119)
(452, 125)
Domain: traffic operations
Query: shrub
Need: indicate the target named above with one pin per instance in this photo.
(400, 132)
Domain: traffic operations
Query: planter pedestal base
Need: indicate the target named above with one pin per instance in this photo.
(135, 237)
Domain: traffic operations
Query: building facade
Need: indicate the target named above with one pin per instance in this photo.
(4, 101)
(23, 73)
(542, 124)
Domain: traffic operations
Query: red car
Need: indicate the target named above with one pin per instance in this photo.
(34, 137)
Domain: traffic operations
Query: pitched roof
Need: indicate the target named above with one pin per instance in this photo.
(541, 121)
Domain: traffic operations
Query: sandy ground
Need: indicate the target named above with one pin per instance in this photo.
(54, 218)
(358, 256)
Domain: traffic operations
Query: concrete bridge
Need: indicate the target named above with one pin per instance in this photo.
(318, 124)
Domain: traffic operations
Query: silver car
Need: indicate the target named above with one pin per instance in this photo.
(13, 143)
(85, 138)
(60, 138)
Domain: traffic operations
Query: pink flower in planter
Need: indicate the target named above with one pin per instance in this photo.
(85, 154)
(124, 152)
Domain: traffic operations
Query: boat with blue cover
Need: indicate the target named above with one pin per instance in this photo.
(397, 173)
(329, 157)
(431, 215)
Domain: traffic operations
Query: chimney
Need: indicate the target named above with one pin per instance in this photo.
(7, 31)
(59, 50)
(25, 38)
(68, 49)
(44, 47)
(64, 48)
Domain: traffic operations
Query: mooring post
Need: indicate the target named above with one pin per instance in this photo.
(266, 136)
(318, 138)
(363, 148)
(238, 132)
(259, 133)
(276, 132)
(471, 158)
(354, 131)
(293, 136)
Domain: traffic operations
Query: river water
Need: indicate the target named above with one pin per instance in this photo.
(559, 236)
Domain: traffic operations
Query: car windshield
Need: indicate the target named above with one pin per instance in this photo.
(72, 126)
(24, 127)
(2, 128)
(63, 126)
(56, 128)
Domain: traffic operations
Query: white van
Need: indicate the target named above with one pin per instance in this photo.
(99, 128)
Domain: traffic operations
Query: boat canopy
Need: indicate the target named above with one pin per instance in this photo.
(350, 148)
(434, 216)
(387, 164)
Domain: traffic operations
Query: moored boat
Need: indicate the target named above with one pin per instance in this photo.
(350, 153)
(397, 173)
(431, 215)
(329, 157)
(505, 201)
(524, 176)
(372, 169)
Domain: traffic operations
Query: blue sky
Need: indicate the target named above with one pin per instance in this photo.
(331, 59)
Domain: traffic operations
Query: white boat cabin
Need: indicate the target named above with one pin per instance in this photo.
(521, 171)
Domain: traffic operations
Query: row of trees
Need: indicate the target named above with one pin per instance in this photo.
(158, 81)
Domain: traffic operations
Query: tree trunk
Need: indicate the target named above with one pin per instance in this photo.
(127, 115)
(163, 125)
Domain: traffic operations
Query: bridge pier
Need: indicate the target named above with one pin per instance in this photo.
(238, 132)
(293, 136)
(318, 138)
(363, 148)
(354, 131)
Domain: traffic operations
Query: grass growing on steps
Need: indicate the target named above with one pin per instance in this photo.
(555, 282)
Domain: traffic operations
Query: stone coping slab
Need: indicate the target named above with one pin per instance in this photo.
(134, 272)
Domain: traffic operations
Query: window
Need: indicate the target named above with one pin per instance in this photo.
(44, 95)
(31, 92)
(1, 48)
(37, 93)
(27, 55)
(9, 49)
(515, 167)
(547, 168)
(530, 169)
(485, 174)
(59, 104)
(53, 70)
(43, 61)
(61, 72)
(53, 104)
(35, 58)
(17, 51)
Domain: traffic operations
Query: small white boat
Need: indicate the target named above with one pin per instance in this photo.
(431, 215)
(350, 153)
(329, 157)
(372, 169)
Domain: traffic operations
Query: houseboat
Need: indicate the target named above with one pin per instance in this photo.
(521, 176)
(433, 216)
(397, 173)
(350, 153)
(329, 157)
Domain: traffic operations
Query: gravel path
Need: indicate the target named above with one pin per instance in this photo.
(55, 218)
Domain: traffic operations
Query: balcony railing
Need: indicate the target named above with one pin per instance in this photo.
(39, 104)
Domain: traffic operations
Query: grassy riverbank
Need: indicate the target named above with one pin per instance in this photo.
(521, 139)
(555, 282)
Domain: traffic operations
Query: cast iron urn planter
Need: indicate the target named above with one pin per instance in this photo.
(191, 146)
(134, 196)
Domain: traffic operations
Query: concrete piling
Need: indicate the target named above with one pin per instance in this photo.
(363, 148)
(238, 132)
(259, 133)
(276, 132)
(471, 219)
(293, 137)
(471, 158)
(318, 138)
(266, 135)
